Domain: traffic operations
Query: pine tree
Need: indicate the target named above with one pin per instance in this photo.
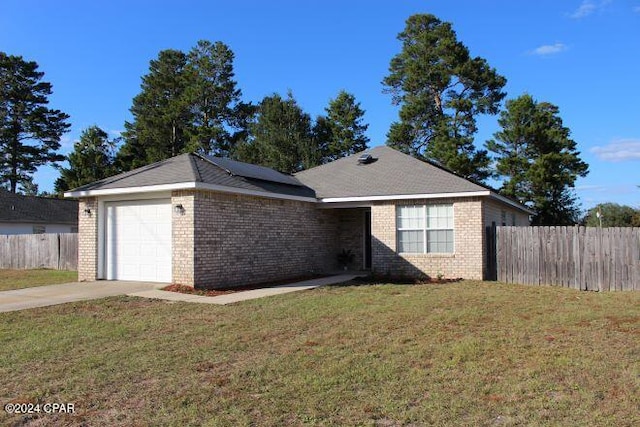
(345, 127)
(538, 160)
(188, 102)
(161, 115)
(28, 187)
(92, 159)
(214, 99)
(441, 89)
(280, 136)
(30, 132)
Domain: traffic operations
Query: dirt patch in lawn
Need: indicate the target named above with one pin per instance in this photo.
(184, 289)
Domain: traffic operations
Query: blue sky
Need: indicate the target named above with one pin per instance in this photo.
(582, 55)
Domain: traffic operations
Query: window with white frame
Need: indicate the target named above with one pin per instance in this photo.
(425, 228)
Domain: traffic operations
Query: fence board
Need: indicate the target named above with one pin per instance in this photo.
(54, 251)
(586, 258)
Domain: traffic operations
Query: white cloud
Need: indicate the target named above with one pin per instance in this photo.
(588, 7)
(549, 49)
(620, 150)
(594, 188)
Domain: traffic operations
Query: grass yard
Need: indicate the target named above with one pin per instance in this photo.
(467, 353)
(18, 279)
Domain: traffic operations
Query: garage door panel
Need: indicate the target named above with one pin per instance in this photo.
(138, 241)
(147, 251)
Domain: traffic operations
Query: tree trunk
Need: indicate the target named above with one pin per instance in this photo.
(173, 139)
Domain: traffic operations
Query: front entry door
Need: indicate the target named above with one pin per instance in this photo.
(367, 239)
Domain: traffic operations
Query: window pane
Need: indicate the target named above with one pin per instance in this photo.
(440, 241)
(439, 216)
(411, 241)
(410, 217)
(448, 213)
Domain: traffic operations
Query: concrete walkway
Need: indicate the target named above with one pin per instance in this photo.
(247, 295)
(42, 296)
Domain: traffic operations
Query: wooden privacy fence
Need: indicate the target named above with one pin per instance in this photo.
(586, 258)
(55, 251)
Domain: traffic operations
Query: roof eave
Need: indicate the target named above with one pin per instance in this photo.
(38, 221)
(327, 201)
(185, 186)
(512, 203)
(352, 201)
(404, 197)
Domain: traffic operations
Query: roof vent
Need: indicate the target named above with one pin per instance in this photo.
(365, 159)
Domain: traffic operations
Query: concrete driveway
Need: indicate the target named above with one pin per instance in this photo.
(41, 296)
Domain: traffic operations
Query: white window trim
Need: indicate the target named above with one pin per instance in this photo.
(426, 228)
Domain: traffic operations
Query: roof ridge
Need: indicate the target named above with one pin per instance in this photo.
(194, 167)
(211, 159)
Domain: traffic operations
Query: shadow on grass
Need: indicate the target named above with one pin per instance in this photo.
(377, 279)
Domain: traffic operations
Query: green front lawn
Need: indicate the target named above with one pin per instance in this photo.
(18, 279)
(468, 353)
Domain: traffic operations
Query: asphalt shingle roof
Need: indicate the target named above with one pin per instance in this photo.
(187, 168)
(391, 173)
(40, 210)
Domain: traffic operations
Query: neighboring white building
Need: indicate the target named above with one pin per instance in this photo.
(36, 215)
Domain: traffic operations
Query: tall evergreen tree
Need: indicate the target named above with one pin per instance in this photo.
(346, 130)
(280, 136)
(29, 131)
(538, 160)
(28, 187)
(188, 102)
(161, 115)
(441, 89)
(214, 99)
(92, 159)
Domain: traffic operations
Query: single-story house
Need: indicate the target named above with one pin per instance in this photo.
(213, 222)
(21, 214)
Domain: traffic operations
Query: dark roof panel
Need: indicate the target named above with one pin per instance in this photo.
(211, 172)
(247, 170)
(41, 210)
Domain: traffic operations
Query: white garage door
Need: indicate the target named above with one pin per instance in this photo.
(138, 241)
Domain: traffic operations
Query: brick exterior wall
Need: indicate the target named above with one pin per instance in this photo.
(182, 229)
(225, 239)
(88, 240)
(240, 240)
(467, 261)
